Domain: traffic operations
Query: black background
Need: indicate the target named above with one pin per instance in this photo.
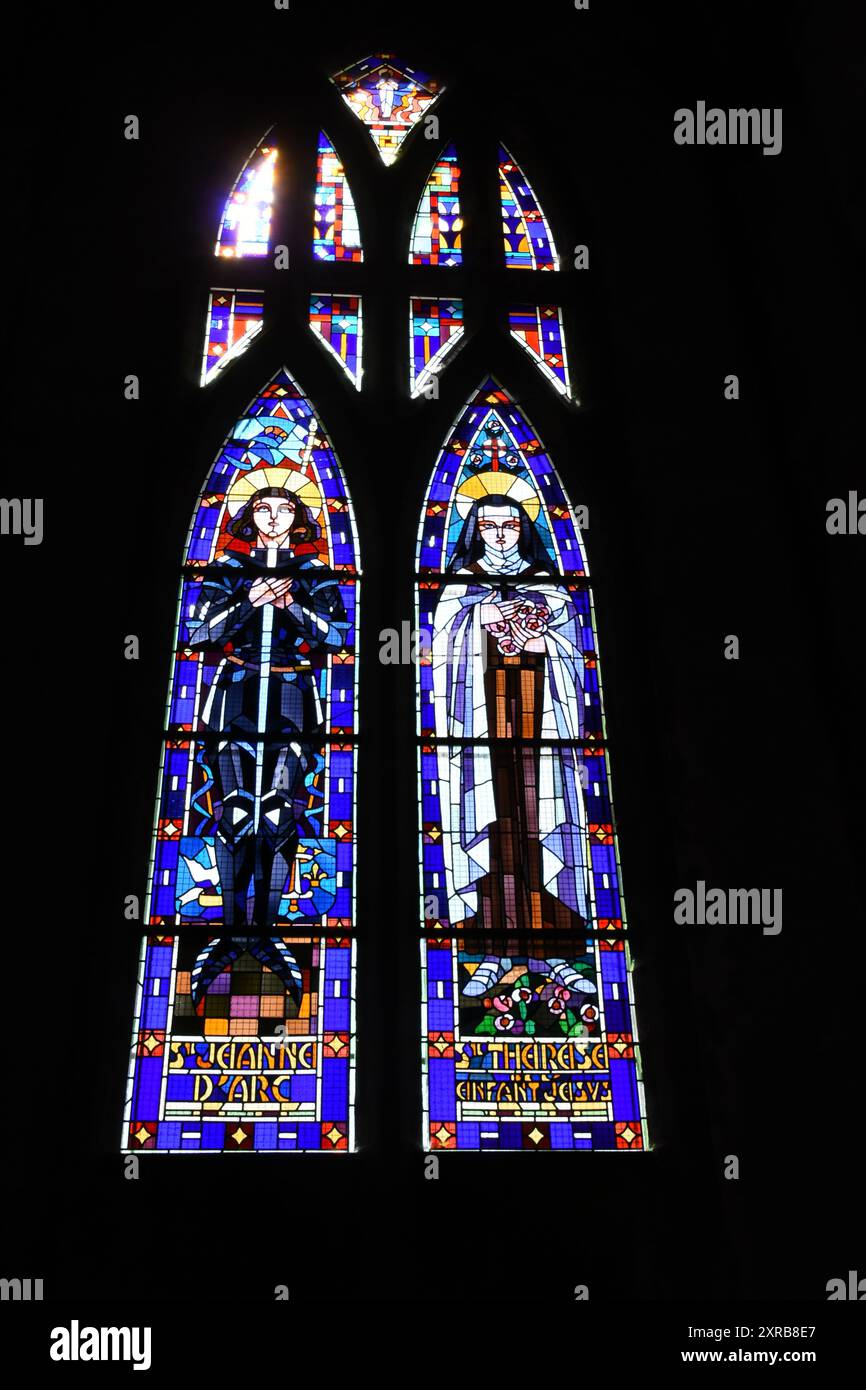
(707, 518)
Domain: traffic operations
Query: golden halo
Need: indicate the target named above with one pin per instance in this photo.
(493, 483)
(244, 486)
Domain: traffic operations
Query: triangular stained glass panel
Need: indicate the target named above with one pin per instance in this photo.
(234, 317)
(435, 327)
(539, 329)
(388, 97)
(336, 319)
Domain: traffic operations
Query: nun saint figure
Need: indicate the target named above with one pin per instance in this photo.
(508, 667)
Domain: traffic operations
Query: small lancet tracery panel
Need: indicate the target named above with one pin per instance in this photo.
(245, 226)
(527, 238)
(529, 1030)
(244, 1034)
(336, 234)
(234, 316)
(437, 229)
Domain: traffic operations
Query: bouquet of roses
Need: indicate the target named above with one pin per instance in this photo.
(520, 624)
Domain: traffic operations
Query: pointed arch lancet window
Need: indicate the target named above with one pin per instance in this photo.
(245, 226)
(529, 1029)
(388, 97)
(527, 237)
(336, 234)
(244, 1032)
(437, 228)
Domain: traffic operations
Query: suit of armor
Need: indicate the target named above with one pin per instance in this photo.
(264, 706)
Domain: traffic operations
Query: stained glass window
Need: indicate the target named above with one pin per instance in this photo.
(435, 329)
(244, 1032)
(528, 239)
(336, 235)
(245, 228)
(539, 329)
(388, 97)
(245, 1027)
(336, 319)
(529, 1031)
(234, 317)
(438, 224)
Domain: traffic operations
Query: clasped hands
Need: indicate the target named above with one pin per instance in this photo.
(517, 624)
(271, 590)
